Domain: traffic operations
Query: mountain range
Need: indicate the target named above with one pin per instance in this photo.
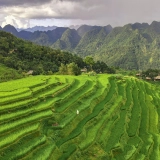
(43, 28)
(37, 28)
(132, 46)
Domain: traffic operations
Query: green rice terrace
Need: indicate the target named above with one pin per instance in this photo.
(108, 117)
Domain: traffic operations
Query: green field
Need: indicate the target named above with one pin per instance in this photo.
(118, 118)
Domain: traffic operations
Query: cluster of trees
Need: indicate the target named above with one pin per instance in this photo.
(151, 73)
(98, 67)
(70, 69)
(8, 73)
(89, 64)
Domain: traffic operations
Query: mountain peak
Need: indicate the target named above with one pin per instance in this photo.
(155, 23)
(10, 28)
(108, 28)
(155, 26)
(86, 28)
(68, 41)
(140, 25)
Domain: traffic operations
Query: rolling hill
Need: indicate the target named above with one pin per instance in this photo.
(85, 117)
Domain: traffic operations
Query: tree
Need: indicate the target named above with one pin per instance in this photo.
(63, 69)
(89, 60)
(100, 67)
(150, 73)
(73, 69)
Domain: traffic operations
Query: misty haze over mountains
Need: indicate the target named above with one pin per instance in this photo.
(42, 28)
(37, 28)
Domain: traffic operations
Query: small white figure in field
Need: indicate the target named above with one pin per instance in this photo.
(77, 111)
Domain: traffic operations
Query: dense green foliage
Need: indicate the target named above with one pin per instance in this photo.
(152, 73)
(89, 61)
(24, 56)
(69, 69)
(8, 73)
(118, 118)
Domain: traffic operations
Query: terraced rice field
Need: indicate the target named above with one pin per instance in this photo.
(118, 118)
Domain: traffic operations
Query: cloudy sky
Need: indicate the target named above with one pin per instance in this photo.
(28, 13)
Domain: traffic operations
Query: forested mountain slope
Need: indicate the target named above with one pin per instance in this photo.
(24, 55)
(133, 46)
(68, 41)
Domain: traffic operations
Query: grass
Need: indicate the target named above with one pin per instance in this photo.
(92, 132)
(29, 82)
(74, 94)
(24, 148)
(42, 152)
(15, 98)
(118, 118)
(28, 119)
(14, 93)
(135, 113)
(13, 136)
(18, 105)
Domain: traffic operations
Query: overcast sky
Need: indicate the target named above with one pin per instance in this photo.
(28, 13)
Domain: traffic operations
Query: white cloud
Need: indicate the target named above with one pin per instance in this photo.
(17, 22)
(22, 2)
(100, 12)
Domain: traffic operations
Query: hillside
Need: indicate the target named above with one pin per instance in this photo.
(25, 56)
(68, 41)
(77, 118)
(92, 40)
(82, 30)
(47, 38)
(132, 48)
